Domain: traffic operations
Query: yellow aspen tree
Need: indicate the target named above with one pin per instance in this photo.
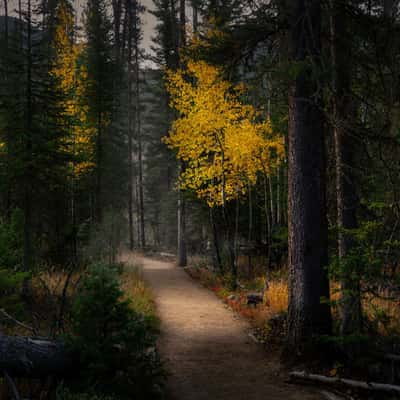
(71, 77)
(223, 141)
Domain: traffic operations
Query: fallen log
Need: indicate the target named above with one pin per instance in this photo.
(33, 357)
(302, 376)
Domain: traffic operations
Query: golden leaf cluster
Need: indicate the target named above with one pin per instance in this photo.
(222, 141)
(71, 78)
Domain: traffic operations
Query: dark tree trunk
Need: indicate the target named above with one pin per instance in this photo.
(140, 149)
(308, 280)
(182, 24)
(130, 125)
(217, 254)
(346, 197)
(27, 201)
(182, 250)
(6, 24)
(99, 170)
(117, 11)
(389, 7)
(182, 254)
(195, 16)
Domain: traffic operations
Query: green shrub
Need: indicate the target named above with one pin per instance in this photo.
(63, 393)
(11, 283)
(11, 278)
(11, 241)
(117, 350)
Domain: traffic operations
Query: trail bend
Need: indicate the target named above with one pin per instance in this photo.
(205, 346)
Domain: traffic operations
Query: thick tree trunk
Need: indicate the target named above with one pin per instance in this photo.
(34, 357)
(346, 198)
(308, 280)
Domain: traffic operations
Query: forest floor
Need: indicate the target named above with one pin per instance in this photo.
(206, 347)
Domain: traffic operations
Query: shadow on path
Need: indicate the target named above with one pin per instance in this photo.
(206, 347)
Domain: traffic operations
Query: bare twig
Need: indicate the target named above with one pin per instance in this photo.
(12, 385)
(60, 322)
(11, 318)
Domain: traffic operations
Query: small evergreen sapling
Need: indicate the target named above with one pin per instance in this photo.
(116, 346)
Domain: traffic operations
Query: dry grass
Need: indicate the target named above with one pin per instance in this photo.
(382, 313)
(275, 299)
(139, 293)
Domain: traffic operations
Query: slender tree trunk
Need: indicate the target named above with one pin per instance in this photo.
(236, 232)
(195, 16)
(8, 138)
(268, 223)
(130, 126)
(182, 251)
(99, 168)
(6, 23)
(278, 197)
(182, 254)
(28, 248)
(271, 201)
(139, 138)
(73, 219)
(182, 24)
(137, 207)
(20, 15)
(250, 233)
(388, 7)
(217, 254)
(308, 281)
(117, 11)
(346, 198)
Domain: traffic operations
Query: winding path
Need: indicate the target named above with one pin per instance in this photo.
(206, 347)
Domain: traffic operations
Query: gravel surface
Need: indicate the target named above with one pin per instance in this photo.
(206, 347)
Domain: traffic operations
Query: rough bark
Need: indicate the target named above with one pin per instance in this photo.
(346, 197)
(308, 282)
(34, 357)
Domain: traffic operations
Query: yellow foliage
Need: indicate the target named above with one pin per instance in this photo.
(221, 140)
(72, 80)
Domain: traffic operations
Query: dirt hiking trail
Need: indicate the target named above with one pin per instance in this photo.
(205, 346)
